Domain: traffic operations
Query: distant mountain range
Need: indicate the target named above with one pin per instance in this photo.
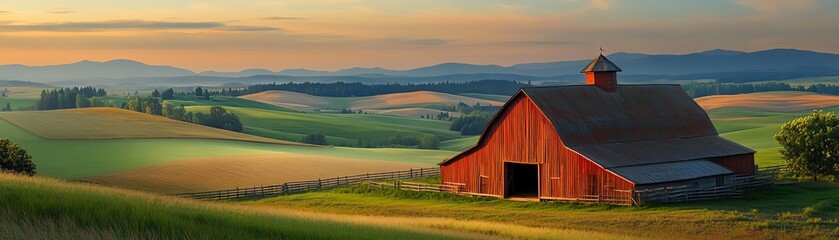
(724, 65)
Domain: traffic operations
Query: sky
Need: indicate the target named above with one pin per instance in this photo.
(232, 35)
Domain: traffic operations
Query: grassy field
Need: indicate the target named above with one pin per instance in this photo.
(226, 172)
(37, 208)
(418, 99)
(809, 81)
(459, 144)
(770, 101)
(73, 159)
(115, 123)
(340, 129)
(756, 129)
(809, 211)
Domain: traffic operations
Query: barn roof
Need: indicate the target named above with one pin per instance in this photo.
(601, 64)
(634, 125)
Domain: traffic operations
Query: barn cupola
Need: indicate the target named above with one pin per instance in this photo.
(602, 73)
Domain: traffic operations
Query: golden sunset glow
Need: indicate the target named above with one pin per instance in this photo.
(335, 34)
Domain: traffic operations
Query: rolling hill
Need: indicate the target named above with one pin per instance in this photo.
(418, 99)
(112, 145)
(770, 101)
(116, 123)
(43, 208)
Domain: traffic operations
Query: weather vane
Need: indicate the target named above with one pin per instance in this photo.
(601, 50)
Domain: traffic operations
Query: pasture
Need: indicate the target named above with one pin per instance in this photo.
(418, 99)
(808, 210)
(340, 129)
(39, 208)
(76, 159)
(769, 101)
(115, 123)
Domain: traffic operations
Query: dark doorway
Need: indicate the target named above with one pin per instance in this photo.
(522, 180)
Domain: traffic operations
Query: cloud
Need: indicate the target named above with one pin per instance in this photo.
(534, 43)
(418, 42)
(602, 5)
(250, 28)
(4, 12)
(61, 12)
(125, 24)
(773, 6)
(282, 18)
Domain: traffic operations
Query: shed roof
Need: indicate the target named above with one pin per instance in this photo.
(670, 172)
(601, 64)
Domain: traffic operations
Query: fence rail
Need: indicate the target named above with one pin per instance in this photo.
(420, 187)
(303, 186)
(683, 193)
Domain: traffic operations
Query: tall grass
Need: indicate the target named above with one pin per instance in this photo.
(38, 208)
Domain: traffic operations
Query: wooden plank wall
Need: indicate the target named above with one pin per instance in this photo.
(522, 134)
(743, 164)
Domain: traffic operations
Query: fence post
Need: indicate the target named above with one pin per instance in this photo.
(411, 171)
(285, 188)
(318, 187)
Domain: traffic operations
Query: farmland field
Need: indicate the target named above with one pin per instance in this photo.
(808, 211)
(75, 159)
(416, 99)
(115, 123)
(340, 129)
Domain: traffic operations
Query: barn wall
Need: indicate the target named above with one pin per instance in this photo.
(743, 164)
(522, 134)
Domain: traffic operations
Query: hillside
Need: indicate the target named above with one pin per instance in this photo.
(779, 212)
(769, 101)
(213, 173)
(41, 208)
(115, 123)
(418, 99)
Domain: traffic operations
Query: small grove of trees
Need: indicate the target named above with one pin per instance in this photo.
(428, 142)
(15, 159)
(471, 124)
(64, 98)
(217, 118)
(811, 144)
(315, 138)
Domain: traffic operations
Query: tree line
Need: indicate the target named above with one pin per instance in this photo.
(349, 89)
(63, 98)
(707, 89)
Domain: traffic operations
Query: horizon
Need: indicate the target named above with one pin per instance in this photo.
(332, 35)
(395, 69)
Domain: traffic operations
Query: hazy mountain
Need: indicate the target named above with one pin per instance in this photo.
(243, 73)
(717, 64)
(89, 70)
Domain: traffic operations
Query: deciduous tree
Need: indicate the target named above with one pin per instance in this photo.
(811, 144)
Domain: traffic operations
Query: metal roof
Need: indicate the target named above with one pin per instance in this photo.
(601, 64)
(634, 125)
(585, 114)
(670, 172)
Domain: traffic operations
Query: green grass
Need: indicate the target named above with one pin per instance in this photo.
(777, 213)
(33, 208)
(227, 102)
(755, 130)
(459, 144)
(494, 97)
(80, 158)
(830, 80)
(342, 129)
(18, 104)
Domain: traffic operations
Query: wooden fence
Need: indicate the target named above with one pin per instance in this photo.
(302, 186)
(683, 193)
(420, 187)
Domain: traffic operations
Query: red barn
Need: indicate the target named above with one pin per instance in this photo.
(601, 139)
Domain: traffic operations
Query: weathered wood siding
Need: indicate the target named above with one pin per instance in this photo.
(743, 164)
(521, 133)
